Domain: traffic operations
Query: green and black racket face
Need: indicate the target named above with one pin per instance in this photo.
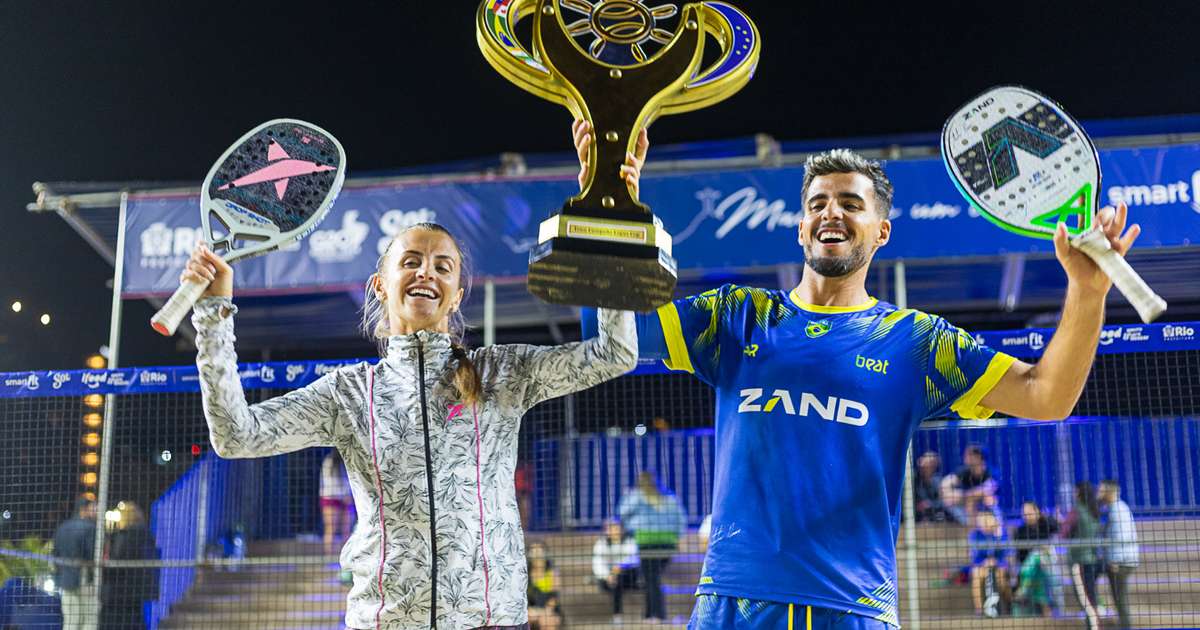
(272, 187)
(1023, 162)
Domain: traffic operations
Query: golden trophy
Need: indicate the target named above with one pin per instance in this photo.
(619, 64)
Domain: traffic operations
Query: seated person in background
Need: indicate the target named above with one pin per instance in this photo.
(971, 489)
(1035, 527)
(614, 563)
(1032, 598)
(989, 565)
(929, 495)
(544, 611)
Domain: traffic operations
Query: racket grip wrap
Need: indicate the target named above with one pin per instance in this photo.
(167, 319)
(1145, 301)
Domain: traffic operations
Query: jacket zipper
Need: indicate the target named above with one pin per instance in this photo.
(429, 487)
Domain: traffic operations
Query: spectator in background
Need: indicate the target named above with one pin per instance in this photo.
(989, 565)
(1035, 584)
(523, 483)
(75, 541)
(124, 591)
(971, 489)
(657, 521)
(544, 610)
(336, 502)
(1083, 525)
(1035, 528)
(1121, 553)
(614, 564)
(928, 493)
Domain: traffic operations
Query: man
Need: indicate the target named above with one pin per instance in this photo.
(1121, 554)
(819, 390)
(929, 506)
(1035, 530)
(75, 542)
(971, 489)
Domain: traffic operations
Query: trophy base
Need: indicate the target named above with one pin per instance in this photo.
(579, 272)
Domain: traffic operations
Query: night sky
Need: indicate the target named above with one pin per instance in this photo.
(155, 91)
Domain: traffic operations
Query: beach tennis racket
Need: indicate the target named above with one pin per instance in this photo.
(271, 188)
(1027, 165)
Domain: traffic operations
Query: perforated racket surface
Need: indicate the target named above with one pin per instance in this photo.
(271, 188)
(1027, 165)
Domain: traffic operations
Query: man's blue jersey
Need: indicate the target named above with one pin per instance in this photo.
(816, 407)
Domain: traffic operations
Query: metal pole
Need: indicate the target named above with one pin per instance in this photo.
(110, 401)
(202, 512)
(489, 312)
(912, 581)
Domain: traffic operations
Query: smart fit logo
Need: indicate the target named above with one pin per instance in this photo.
(830, 408)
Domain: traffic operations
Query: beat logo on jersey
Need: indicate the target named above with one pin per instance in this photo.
(829, 408)
(817, 329)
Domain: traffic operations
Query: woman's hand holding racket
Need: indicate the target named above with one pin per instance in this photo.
(206, 267)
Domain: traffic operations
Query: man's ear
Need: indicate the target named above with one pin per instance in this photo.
(885, 233)
(800, 231)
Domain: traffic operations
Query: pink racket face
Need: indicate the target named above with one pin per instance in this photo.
(271, 187)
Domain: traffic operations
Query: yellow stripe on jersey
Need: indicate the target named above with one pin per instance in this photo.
(816, 308)
(668, 317)
(791, 614)
(808, 617)
(967, 405)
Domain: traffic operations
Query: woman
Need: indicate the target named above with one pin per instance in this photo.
(428, 434)
(1083, 524)
(544, 610)
(614, 564)
(657, 521)
(336, 501)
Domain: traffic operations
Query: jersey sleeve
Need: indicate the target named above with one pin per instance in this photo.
(959, 373)
(690, 332)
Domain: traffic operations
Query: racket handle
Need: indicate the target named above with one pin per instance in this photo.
(167, 319)
(1145, 301)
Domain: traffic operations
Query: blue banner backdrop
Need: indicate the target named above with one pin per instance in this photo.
(720, 219)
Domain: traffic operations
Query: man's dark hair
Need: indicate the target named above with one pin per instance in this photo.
(1112, 483)
(82, 503)
(847, 161)
(977, 451)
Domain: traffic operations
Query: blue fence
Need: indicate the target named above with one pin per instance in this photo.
(1156, 459)
(219, 494)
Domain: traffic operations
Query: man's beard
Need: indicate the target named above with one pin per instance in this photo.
(836, 266)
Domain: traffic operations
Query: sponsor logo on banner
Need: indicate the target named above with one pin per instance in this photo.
(1157, 193)
(58, 379)
(321, 369)
(393, 222)
(340, 245)
(151, 377)
(1033, 340)
(28, 382)
(980, 340)
(93, 380)
(1109, 335)
(935, 210)
(164, 247)
(1135, 333)
(741, 208)
(263, 373)
(1175, 332)
(294, 372)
